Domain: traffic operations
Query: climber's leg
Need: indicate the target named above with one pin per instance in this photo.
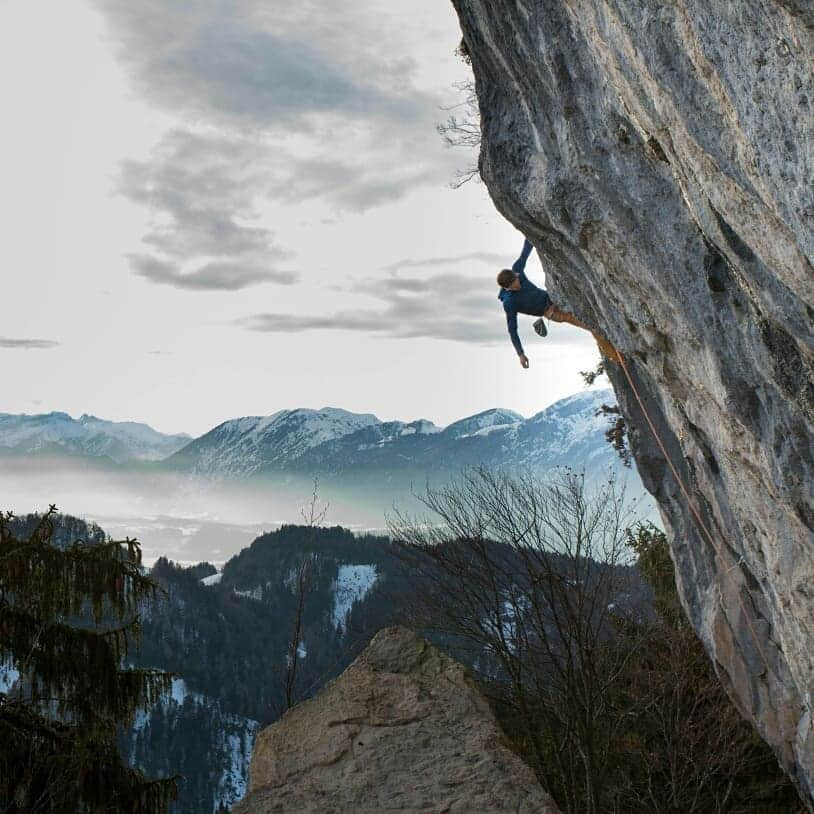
(558, 315)
(606, 348)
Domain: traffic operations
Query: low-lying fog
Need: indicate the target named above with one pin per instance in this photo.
(184, 517)
(189, 518)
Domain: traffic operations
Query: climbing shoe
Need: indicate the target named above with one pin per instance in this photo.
(540, 328)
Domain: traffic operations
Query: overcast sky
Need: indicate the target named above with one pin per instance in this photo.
(219, 208)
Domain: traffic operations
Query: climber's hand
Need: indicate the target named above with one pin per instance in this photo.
(524, 361)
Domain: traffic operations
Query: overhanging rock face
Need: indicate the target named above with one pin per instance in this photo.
(402, 729)
(660, 155)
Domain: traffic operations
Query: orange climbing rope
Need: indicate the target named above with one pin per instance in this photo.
(695, 513)
(667, 458)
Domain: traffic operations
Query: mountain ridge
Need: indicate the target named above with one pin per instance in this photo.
(335, 441)
(57, 432)
(329, 439)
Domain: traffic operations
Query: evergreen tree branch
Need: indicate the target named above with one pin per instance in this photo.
(58, 612)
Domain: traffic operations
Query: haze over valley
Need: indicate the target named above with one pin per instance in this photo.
(209, 497)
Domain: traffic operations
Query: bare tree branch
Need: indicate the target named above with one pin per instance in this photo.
(314, 515)
(463, 128)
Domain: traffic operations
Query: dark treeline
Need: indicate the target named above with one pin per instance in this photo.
(230, 640)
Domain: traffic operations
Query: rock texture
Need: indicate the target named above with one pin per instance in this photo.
(659, 153)
(402, 729)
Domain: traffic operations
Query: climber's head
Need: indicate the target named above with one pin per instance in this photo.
(508, 280)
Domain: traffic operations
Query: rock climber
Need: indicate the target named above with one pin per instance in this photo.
(520, 296)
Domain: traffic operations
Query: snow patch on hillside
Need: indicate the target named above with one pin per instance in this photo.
(8, 678)
(483, 423)
(180, 692)
(488, 430)
(212, 579)
(233, 783)
(232, 751)
(352, 584)
(254, 593)
(420, 427)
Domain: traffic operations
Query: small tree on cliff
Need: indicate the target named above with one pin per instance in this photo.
(617, 432)
(462, 127)
(67, 617)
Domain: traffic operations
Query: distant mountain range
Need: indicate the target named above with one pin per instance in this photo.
(87, 436)
(338, 443)
(334, 444)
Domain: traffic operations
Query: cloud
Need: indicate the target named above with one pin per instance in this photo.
(200, 192)
(480, 326)
(498, 260)
(452, 306)
(211, 277)
(276, 102)
(386, 324)
(27, 344)
(457, 309)
(202, 189)
(351, 186)
(260, 64)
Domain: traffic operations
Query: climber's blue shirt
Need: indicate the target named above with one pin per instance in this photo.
(528, 300)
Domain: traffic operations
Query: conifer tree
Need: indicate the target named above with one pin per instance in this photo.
(68, 615)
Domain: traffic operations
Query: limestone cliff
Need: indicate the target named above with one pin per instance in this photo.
(659, 154)
(402, 729)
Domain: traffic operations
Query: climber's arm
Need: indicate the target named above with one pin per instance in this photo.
(511, 324)
(520, 264)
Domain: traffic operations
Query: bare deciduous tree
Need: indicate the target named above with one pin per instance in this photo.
(604, 688)
(462, 128)
(533, 577)
(314, 515)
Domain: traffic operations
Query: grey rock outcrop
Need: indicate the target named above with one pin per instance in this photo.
(402, 729)
(659, 154)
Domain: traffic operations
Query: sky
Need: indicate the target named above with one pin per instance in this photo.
(219, 208)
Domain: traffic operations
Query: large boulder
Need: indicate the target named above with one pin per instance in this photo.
(402, 729)
(660, 154)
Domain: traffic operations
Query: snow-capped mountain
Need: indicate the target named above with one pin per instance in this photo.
(360, 461)
(335, 442)
(484, 423)
(244, 446)
(59, 433)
